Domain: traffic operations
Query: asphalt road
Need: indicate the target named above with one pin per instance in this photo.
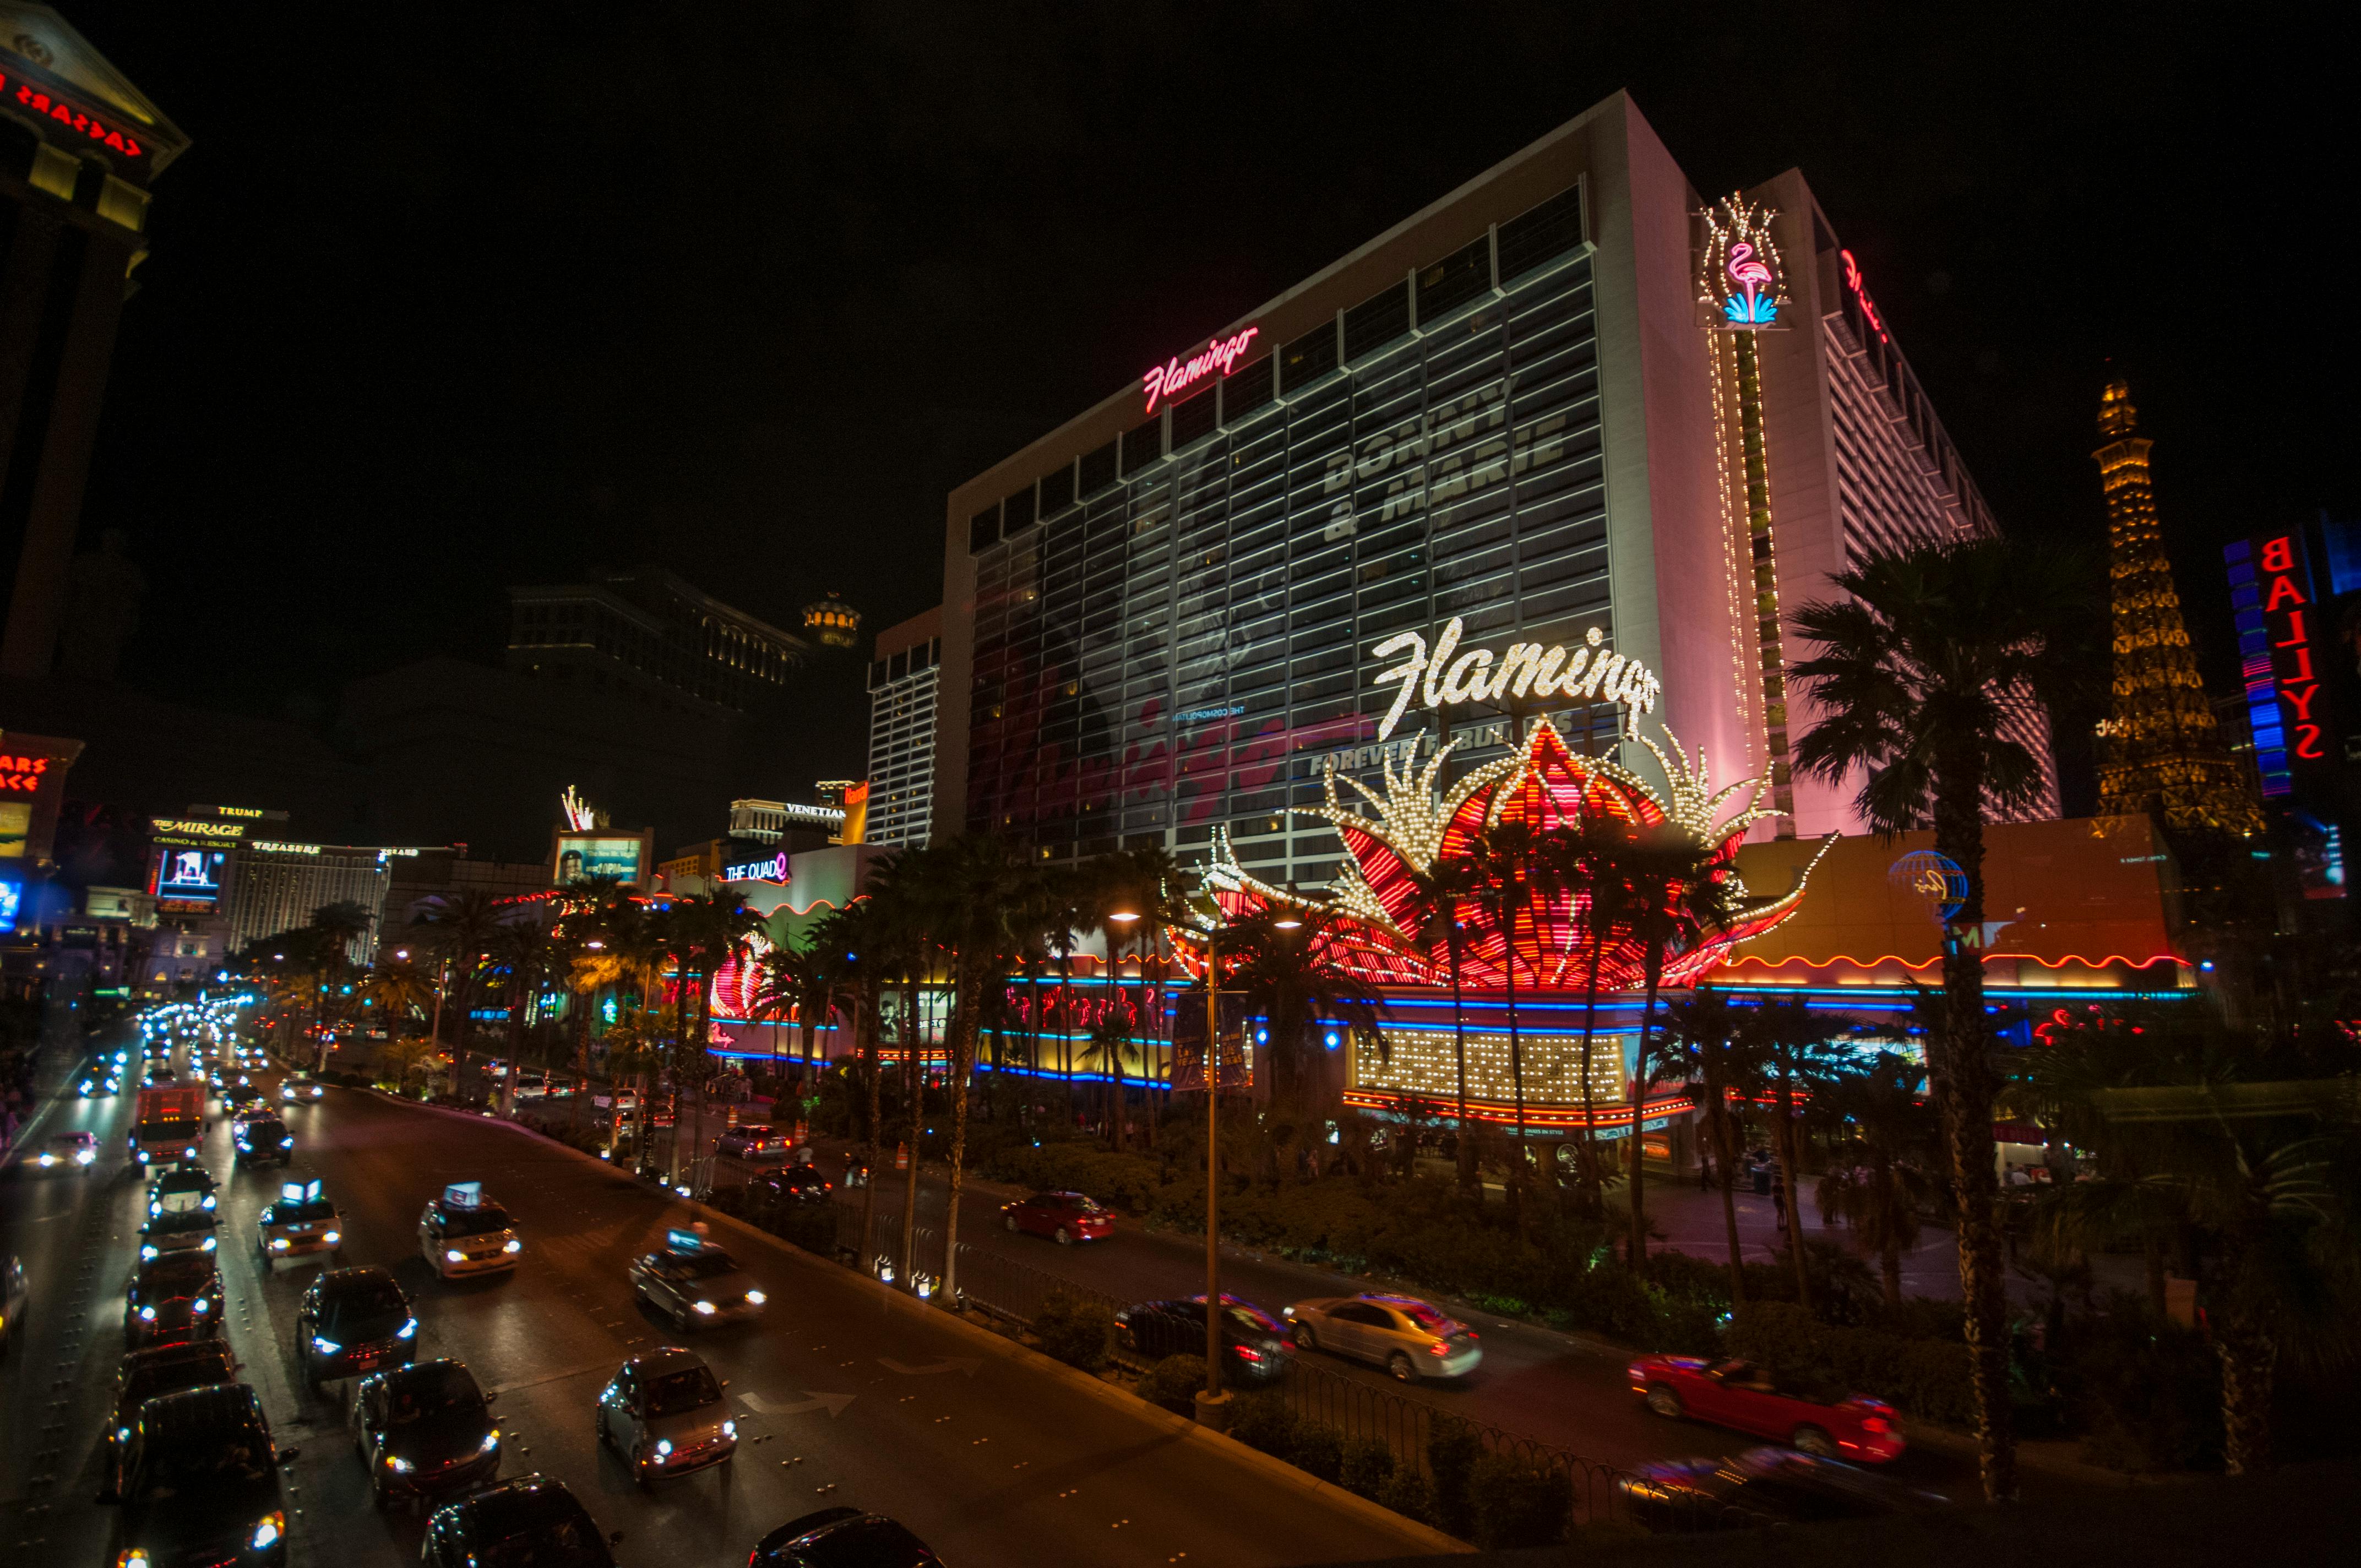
(839, 1400)
(1562, 1388)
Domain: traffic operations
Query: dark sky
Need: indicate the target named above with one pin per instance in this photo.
(448, 297)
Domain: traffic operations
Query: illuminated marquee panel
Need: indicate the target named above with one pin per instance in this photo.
(1423, 1063)
(50, 104)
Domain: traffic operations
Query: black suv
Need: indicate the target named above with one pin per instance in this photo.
(354, 1321)
(150, 1374)
(789, 1185)
(843, 1538)
(533, 1518)
(1254, 1346)
(425, 1429)
(201, 1484)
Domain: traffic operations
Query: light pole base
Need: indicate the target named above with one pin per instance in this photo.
(1214, 1410)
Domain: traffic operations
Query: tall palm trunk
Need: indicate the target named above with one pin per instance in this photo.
(1965, 1092)
(1639, 1253)
(1725, 1157)
(1784, 1146)
(1467, 1177)
(1590, 1197)
(965, 1006)
(2249, 1359)
(865, 1019)
(914, 1095)
(1516, 1073)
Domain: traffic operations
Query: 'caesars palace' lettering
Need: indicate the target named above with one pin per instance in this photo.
(1525, 669)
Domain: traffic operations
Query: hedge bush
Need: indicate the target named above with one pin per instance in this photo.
(1173, 1383)
(1452, 1451)
(1264, 1421)
(1367, 1465)
(1516, 1505)
(1926, 1379)
(1079, 1333)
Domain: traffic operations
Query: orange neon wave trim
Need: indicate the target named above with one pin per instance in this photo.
(1930, 963)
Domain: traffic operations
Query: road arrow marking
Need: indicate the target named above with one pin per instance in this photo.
(833, 1403)
(967, 1364)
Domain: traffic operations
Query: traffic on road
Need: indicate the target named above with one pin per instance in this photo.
(507, 1351)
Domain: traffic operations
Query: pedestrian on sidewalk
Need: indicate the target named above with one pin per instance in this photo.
(1779, 1196)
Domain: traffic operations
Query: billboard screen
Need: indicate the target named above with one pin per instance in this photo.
(583, 855)
(12, 900)
(190, 878)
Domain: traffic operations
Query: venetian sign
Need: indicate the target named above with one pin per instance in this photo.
(1444, 677)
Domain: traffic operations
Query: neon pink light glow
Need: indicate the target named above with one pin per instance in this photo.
(1748, 272)
(1852, 281)
(1168, 380)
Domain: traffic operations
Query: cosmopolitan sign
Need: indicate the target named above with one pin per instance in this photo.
(1168, 380)
(1445, 677)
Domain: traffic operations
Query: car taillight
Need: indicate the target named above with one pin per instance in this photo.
(1437, 1347)
(1877, 1424)
(1245, 1353)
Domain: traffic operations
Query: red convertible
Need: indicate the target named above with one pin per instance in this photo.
(1068, 1217)
(1805, 1412)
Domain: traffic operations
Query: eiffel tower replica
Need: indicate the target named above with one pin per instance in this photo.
(2160, 752)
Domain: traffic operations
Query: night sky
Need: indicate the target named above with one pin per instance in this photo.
(447, 297)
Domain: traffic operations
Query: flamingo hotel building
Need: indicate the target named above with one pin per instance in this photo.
(1573, 403)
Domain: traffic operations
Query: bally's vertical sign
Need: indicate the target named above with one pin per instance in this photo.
(2298, 647)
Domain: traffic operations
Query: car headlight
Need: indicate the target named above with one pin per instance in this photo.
(209, 1200)
(332, 1238)
(408, 1328)
(729, 1429)
(135, 1558)
(279, 1244)
(147, 1314)
(755, 1298)
(705, 1307)
(147, 1254)
(200, 1305)
(325, 1346)
(398, 1464)
(454, 1254)
(492, 1441)
(48, 1158)
(207, 1244)
(663, 1446)
(512, 1244)
(86, 1157)
(188, 1152)
(266, 1534)
(286, 1143)
(123, 1434)
(155, 1208)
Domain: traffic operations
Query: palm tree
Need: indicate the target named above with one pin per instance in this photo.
(1509, 866)
(1890, 1139)
(462, 926)
(1289, 977)
(1437, 892)
(707, 930)
(1675, 893)
(334, 929)
(1922, 672)
(853, 937)
(397, 987)
(1707, 1039)
(1799, 1058)
(521, 951)
(986, 886)
(1588, 860)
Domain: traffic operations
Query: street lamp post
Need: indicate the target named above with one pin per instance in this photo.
(1212, 1404)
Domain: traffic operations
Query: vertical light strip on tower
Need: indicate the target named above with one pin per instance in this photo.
(1742, 286)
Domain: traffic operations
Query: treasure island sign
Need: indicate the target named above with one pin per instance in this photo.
(1444, 677)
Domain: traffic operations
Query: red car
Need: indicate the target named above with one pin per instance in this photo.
(1806, 1412)
(1067, 1217)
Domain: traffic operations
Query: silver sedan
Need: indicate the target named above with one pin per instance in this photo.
(1410, 1338)
(695, 1288)
(663, 1413)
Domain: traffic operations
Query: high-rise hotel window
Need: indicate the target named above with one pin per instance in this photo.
(1189, 645)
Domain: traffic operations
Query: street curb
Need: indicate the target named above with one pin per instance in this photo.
(1428, 1538)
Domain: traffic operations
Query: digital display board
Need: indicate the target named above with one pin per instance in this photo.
(189, 878)
(12, 900)
(16, 829)
(581, 855)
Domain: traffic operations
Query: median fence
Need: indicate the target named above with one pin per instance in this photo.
(1435, 1454)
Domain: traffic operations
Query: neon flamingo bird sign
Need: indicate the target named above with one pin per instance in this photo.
(1168, 380)
(1752, 304)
